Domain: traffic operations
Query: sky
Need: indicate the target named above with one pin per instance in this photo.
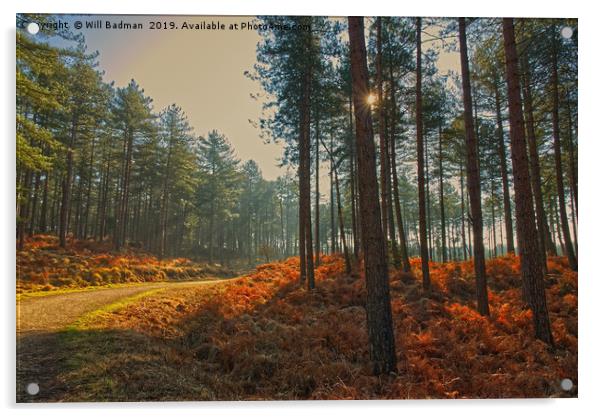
(202, 71)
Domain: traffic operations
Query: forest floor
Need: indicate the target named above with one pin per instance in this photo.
(44, 268)
(264, 336)
(58, 309)
(44, 322)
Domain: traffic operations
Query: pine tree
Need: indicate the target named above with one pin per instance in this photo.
(424, 249)
(378, 305)
(531, 270)
(219, 184)
(133, 118)
(474, 181)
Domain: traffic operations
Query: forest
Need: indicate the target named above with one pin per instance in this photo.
(431, 182)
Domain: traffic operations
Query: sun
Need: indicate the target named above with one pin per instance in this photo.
(371, 99)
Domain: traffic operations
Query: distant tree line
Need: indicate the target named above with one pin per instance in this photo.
(96, 161)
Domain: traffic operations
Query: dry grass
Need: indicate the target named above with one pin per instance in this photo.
(43, 266)
(264, 337)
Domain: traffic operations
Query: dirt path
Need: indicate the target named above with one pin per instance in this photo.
(55, 312)
(42, 353)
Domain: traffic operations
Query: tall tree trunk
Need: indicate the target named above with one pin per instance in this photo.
(424, 252)
(66, 186)
(474, 182)
(104, 205)
(531, 270)
(211, 229)
(22, 209)
(476, 122)
(305, 165)
(55, 202)
(339, 205)
(250, 243)
(493, 217)
(405, 260)
(282, 244)
(287, 235)
(89, 189)
(543, 229)
(556, 223)
(333, 228)
(382, 136)
(573, 219)
(564, 222)
(352, 185)
(121, 217)
(302, 254)
(463, 213)
(572, 174)
(501, 148)
(77, 232)
(429, 225)
(572, 163)
(165, 198)
(389, 200)
(138, 215)
(378, 304)
(341, 224)
(44, 208)
(34, 204)
(469, 225)
(317, 209)
(441, 201)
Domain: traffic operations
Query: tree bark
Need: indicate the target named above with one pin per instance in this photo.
(104, 203)
(531, 270)
(44, 208)
(389, 201)
(382, 136)
(441, 201)
(564, 222)
(121, 226)
(429, 224)
(22, 209)
(302, 245)
(405, 260)
(305, 167)
(317, 205)
(504, 170)
(572, 163)
(339, 205)
(333, 228)
(493, 217)
(341, 224)
(66, 186)
(352, 184)
(89, 190)
(424, 252)
(543, 229)
(378, 305)
(572, 174)
(34, 204)
(463, 213)
(474, 183)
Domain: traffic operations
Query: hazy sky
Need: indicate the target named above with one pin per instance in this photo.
(200, 70)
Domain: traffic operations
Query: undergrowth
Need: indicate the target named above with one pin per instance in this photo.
(267, 337)
(43, 266)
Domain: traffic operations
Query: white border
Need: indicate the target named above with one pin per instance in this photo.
(589, 233)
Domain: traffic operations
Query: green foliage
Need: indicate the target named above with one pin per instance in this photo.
(142, 175)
